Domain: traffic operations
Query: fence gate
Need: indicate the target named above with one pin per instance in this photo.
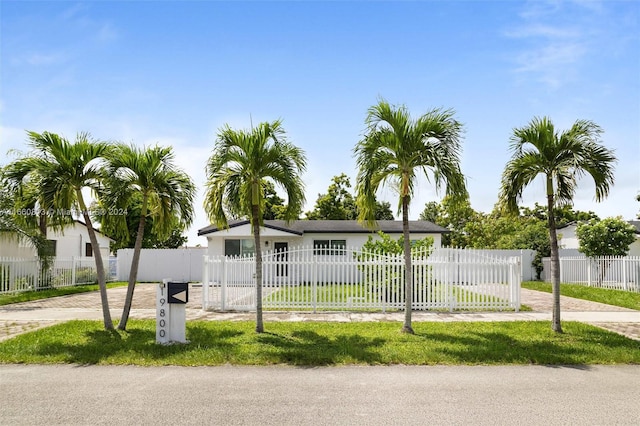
(350, 279)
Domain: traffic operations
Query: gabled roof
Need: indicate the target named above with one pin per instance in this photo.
(299, 227)
(636, 224)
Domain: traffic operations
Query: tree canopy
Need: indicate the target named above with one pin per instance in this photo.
(339, 204)
(610, 236)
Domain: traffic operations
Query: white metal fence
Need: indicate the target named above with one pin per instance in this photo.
(615, 272)
(19, 275)
(325, 279)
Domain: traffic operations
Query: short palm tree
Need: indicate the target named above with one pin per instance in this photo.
(395, 149)
(237, 172)
(13, 224)
(19, 179)
(167, 196)
(63, 170)
(561, 158)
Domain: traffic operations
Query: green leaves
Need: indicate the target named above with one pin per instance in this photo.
(242, 163)
(561, 158)
(396, 148)
(611, 236)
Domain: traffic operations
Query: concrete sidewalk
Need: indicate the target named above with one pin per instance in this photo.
(21, 317)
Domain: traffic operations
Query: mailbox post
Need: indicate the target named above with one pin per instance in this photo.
(171, 298)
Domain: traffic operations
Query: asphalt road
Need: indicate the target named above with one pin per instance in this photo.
(398, 395)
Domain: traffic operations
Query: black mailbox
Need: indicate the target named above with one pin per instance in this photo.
(178, 292)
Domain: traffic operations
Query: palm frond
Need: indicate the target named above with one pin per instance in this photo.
(395, 147)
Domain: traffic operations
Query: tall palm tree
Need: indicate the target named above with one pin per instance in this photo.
(237, 172)
(395, 149)
(561, 158)
(63, 170)
(167, 195)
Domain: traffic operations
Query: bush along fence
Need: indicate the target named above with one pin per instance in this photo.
(349, 279)
(614, 272)
(19, 275)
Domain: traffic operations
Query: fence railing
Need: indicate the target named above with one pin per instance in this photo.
(20, 275)
(313, 279)
(614, 272)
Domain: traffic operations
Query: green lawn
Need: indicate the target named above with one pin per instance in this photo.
(317, 344)
(625, 299)
(6, 299)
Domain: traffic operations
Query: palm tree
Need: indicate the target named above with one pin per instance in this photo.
(63, 170)
(242, 164)
(561, 158)
(167, 195)
(21, 189)
(395, 149)
(12, 225)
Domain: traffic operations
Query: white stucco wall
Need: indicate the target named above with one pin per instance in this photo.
(269, 237)
(71, 241)
(10, 246)
(634, 249)
(568, 240)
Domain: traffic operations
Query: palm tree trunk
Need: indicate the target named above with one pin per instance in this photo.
(555, 260)
(408, 276)
(255, 213)
(135, 263)
(44, 254)
(97, 255)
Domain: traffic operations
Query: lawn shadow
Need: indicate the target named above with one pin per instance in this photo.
(126, 346)
(306, 347)
(498, 347)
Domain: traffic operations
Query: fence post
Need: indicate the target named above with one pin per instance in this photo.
(314, 285)
(205, 283)
(447, 279)
(223, 285)
(624, 275)
(73, 271)
(516, 281)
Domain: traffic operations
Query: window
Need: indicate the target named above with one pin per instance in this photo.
(88, 250)
(329, 247)
(50, 248)
(239, 248)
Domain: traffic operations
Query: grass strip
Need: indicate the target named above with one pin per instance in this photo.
(28, 296)
(320, 344)
(624, 299)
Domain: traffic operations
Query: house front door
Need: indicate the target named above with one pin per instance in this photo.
(282, 256)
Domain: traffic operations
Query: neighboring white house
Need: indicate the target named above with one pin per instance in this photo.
(568, 240)
(332, 234)
(72, 241)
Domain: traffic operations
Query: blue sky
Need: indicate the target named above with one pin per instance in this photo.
(173, 73)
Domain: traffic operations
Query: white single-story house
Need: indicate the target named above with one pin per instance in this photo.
(72, 241)
(237, 239)
(568, 240)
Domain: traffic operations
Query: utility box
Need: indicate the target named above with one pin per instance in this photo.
(171, 317)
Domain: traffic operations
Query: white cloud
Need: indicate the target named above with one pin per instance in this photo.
(107, 33)
(554, 64)
(554, 40)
